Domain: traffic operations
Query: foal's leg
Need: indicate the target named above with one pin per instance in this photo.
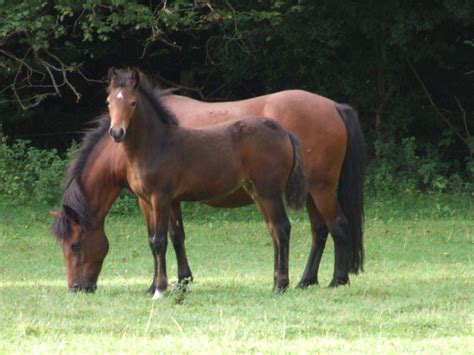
(161, 216)
(320, 234)
(144, 207)
(176, 230)
(272, 234)
(280, 228)
(338, 226)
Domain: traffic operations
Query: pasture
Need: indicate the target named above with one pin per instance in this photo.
(415, 296)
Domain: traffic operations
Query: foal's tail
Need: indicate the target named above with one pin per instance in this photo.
(351, 186)
(297, 186)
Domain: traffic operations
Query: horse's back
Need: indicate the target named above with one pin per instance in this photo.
(311, 117)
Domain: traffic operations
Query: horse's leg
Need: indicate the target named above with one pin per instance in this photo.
(148, 219)
(161, 216)
(176, 230)
(337, 224)
(320, 233)
(280, 228)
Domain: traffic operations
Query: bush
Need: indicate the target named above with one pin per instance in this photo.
(408, 167)
(28, 174)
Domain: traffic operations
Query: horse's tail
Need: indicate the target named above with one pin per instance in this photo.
(351, 186)
(297, 185)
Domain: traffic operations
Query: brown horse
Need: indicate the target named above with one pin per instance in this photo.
(98, 174)
(167, 164)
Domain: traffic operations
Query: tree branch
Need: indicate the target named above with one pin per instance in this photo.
(435, 107)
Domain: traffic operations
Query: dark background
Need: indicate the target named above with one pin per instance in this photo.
(406, 66)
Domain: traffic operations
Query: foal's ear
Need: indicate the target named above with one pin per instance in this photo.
(112, 74)
(54, 214)
(135, 77)
(71, 214)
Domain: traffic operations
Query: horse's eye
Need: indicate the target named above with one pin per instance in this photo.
(76, 247)
(133, 103)
(107, 102)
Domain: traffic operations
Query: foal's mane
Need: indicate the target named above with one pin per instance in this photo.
(152, 92)
(73, 195)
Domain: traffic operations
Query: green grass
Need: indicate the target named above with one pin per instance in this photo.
(415, 296)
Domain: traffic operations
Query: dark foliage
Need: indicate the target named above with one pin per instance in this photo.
(407, 67)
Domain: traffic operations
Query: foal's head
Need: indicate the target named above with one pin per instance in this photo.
(128, 89)
(122, 100)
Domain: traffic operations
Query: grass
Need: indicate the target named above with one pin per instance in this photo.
(415, 296)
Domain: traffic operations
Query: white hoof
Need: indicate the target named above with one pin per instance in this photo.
(158, 294)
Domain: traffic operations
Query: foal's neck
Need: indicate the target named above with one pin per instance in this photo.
(147, 132)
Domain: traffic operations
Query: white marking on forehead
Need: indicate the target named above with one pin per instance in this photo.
(120, 95)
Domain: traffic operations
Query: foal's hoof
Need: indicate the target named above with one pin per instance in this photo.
(158, 294)
(339, 282)
(280, 289)
(185, 280)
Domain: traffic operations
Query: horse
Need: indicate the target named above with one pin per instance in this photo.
(334, 169)
(168, 164)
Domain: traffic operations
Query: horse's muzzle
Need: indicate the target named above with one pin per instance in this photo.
(88, 288)
(75, 288)
(117, 134)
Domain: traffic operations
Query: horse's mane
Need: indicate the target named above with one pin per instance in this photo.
(151, 91)
(73, 195)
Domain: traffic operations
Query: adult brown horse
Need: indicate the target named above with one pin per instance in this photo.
(168, 163)
(331, 140)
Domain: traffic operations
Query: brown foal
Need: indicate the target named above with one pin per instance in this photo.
(167, 163)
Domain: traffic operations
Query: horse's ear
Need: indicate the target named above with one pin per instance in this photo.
(135, 77)
(54, 214)
(112, 74)
(71, 214)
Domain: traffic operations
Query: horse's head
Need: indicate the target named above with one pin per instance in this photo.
(122, 100)
(84, 252)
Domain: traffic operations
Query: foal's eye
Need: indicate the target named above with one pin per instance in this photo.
(76, 247)
(133, 103)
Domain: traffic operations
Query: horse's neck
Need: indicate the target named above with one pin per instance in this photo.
(104, 177)
(145, 134)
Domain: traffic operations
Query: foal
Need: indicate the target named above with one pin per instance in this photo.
(167, 163)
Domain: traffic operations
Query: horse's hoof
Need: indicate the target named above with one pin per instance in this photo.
(306, 283)
(151, 289)
(339, 282)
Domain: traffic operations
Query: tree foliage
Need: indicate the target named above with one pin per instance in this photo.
(406, 66)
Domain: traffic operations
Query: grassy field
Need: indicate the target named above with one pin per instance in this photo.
(415, 296)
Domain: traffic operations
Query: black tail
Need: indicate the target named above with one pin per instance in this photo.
(297, 186)
(351, 185)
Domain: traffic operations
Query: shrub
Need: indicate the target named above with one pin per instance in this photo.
(407, 167)
(29, 174)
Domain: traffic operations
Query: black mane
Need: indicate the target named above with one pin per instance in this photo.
(73, 193)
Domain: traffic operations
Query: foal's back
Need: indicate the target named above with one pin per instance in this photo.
(225, 156)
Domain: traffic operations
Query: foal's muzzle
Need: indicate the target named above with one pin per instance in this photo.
(118, 134)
